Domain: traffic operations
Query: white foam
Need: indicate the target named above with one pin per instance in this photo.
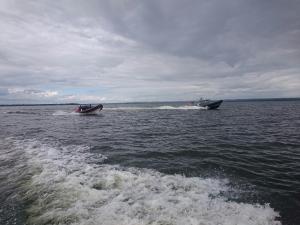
(68, 187)
(134, 108)
(165, 107)
(185, 107)
(64, 113)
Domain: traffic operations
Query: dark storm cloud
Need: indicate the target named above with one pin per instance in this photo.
(150, 50)
(231, 31)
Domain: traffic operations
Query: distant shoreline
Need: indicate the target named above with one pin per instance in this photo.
(226, 100)
(41, 104)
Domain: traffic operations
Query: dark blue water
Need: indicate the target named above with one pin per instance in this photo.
(163, 163)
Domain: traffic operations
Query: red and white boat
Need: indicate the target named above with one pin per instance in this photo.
(89, 109)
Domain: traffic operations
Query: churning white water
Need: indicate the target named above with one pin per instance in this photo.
(70, 185)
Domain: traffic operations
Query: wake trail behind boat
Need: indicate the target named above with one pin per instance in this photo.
(64, 113)
(165, 107)
(71, 185)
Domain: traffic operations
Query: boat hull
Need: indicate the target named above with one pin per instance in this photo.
(211, 104)
(214, 105)
(92, 110)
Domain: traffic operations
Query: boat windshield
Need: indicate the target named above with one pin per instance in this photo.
(85, 106)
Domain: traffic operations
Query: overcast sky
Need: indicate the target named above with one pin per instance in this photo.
(141, 50)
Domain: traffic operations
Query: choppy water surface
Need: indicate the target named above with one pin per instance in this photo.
(166, 163)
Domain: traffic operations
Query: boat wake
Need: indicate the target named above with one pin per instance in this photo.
(185, 107)
(66, 113)
(63, 113)
(29, 112)
(165, 107)
(70, 185)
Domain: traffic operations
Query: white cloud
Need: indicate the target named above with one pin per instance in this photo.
(33, 92)
(146, 51)
(83, 98)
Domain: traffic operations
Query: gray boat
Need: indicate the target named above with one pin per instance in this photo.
(209, 104)
(89, 109)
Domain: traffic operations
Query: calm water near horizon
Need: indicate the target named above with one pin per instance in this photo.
(151, 163)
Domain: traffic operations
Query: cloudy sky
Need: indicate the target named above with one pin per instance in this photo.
(141, 50)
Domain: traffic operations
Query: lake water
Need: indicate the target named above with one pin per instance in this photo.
(151, 163)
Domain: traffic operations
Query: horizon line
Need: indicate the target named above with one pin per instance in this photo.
(138, 102)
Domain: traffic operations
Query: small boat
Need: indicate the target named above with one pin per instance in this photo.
(209, 104)
(89, 109)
